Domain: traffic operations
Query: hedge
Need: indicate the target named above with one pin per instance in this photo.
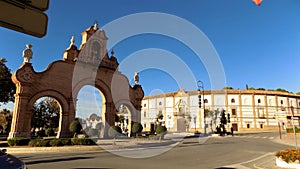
(39, 143)
(82, 141)
(56, 143)
(18, 141)
(291, 130)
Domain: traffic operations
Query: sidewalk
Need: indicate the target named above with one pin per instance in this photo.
(288, 139)
(102, 145)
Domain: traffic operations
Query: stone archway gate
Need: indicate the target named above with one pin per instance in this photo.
(63, 79)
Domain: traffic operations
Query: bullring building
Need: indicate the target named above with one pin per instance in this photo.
(248, 110)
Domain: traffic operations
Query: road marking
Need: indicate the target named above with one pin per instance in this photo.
(240, 165)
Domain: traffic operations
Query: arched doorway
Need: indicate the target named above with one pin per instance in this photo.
(45, 117)
(124, 119)
(63, 79)
(90, 110)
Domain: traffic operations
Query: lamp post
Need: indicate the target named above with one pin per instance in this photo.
(201, 86)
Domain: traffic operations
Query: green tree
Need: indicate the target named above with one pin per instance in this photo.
(228, 87)
(137, 128)
(92, 132)
(45, 114)
(161, 131)
(281, 90)
(260, 88)
(298, 93)
(49, 132)
(114, 131)
(75, 127)
(5, 120)
(7, 87)
(159, 116)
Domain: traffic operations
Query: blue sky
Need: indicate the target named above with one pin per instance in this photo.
(257, 45)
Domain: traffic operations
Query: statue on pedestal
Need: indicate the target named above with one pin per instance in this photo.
(136, 78)
(27, 53)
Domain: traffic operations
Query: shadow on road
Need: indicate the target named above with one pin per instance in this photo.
(57, 160)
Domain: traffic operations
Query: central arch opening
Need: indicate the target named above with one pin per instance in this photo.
(90, 111)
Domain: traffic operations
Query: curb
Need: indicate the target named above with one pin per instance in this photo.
(28, 150)
(103, 146)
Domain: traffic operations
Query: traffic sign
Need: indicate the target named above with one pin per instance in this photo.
(42, 5)
(23, 18)
(281, 116)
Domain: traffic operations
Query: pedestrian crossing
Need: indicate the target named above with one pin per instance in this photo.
(256, 137)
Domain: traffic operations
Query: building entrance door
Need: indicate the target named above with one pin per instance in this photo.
(235, 127)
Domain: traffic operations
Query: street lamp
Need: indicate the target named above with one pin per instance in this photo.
(201, 86)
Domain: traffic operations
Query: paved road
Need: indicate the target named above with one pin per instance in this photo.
(245, 151)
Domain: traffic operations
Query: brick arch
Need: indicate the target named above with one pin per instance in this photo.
(63, 80)
(98, 84)
(63, 103)
(49, 93)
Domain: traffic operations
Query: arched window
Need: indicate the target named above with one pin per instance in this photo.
(258, 101)
(232, 101)
(205, 101)
(95, 50)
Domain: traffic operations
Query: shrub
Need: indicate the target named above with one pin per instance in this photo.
(288, 155)
(66, 141)
(44, 143)
(92, 132)
(33, 143)
(39, 143)
(56, 142)
(291, 130)
(40, 133)
(49, 132)
(160, 129)
(82, 141)
(114, 131)
(137, 128)
(18, 141)
(75, 127)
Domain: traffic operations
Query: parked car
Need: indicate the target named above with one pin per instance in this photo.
(8, 161)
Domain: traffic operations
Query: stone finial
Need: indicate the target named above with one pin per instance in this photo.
(27, 53)
(112, 53)
(95, 25)
(72, 41)
(136, 78)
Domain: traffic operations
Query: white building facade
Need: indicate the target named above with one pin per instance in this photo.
(249, 110)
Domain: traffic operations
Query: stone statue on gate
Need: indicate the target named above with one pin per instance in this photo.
(27, 53)
(136, 78)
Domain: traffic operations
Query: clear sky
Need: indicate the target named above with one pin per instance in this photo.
(257, 45)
